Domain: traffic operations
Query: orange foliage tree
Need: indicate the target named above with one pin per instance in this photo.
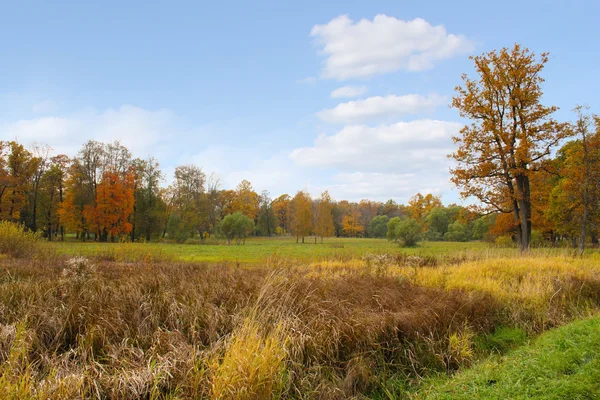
(301, 215)
(511, 133)
(110, 216)
(351, 222)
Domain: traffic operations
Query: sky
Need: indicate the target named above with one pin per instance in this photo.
(347, 96)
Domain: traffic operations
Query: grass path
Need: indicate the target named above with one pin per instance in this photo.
(560, 364)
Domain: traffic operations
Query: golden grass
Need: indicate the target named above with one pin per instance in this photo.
(136, 328)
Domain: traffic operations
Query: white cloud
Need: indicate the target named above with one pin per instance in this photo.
(385, 44)
(348, 92)
(138, 129)
(401, 147)
(375, 107)
(383, 186)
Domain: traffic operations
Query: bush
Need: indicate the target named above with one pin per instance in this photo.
(16, 242)
(408, 231)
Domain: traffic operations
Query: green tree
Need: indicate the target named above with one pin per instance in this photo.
(457, 232)
(378, 226)
(437, 220)
(408, 231)
(391, 228)
(237, 226)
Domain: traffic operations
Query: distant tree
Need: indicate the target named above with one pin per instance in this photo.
(419, 206)
(352, 222)
(189, 198)
(368, 210)
(301, 215)
(391, 209)
(246, 200)
(481, 226)
(237, 226)
(391, 228)
(149, 212)
(408, 231)
(340, 210)
(457, 232)
(267, 220)
(281, 208)
(17, 167)
(378, 226)
(437, 221)
(510, 136)
(324, 220)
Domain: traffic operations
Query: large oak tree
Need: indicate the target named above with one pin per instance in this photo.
(510, 135)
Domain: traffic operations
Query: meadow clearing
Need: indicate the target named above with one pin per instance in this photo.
(350, 318)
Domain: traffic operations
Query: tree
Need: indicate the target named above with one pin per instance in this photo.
(41, 155)
(189, 200)
(246, 200)
(340, 210)
(51, 189)
(437, 221)
(391, 228)
(378, 226)
(324, 219)
(368, 210)
(301, 215)
(113, 207)
(267, 221)
(149, 211)
(457, 232)
(574, 205)
(408, 231)
(238, 226)
(586, 175)
(16, 170)
(419, 206)
(352, 222)
(511, 133)
(281, 208)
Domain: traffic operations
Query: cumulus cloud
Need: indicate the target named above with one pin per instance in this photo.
(385, 44)
(383, 186)
(135, 127)
(348, 92)
(404, 147)
(377, 107)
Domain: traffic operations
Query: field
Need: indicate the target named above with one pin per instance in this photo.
(261, 250)
(351, 318)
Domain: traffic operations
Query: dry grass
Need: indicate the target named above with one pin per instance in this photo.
(110, 329)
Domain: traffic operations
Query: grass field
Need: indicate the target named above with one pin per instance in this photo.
(351, 318)
(561, 364)
(260, 250)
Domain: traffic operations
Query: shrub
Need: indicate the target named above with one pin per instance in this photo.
(408, 231)
(16, 242)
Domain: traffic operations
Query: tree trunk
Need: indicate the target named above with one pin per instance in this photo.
(302, 239)
(524, 204)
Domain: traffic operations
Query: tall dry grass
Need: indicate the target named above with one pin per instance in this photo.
(106, 329)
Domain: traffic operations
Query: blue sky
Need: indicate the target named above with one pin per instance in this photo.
(246, 89)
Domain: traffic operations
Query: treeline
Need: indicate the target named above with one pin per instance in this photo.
(105, 194)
